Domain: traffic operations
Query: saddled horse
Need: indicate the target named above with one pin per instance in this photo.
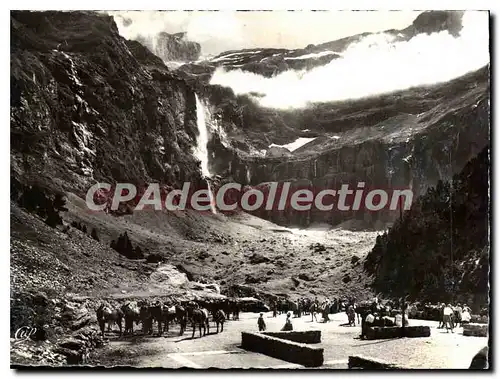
(146, 318)
(131, 313)
(163, 315)
(219, 318)
(157, 316)
(181, 316)
(105, 313)
(173, 313)
(198, 316)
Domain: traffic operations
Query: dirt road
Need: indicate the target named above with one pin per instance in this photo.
(441, 350)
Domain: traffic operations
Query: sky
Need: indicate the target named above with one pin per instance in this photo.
(376, 64)
(219, 31)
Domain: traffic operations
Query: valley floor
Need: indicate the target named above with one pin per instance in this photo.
(73, 273)
(439, 351)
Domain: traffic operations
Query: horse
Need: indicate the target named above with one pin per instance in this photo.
(181, 316)
(219, 318)
(198, 316)
(131, 313)
(157, 314)
(106, 314)
(146, 318)
(236, 311)
(293, 307)
(169, 314)
(280, 306)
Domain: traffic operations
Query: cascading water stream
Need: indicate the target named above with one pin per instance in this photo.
(201, 151)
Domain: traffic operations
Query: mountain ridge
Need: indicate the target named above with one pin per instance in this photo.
(270, 62)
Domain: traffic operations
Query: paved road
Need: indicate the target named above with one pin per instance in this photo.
(440, 350)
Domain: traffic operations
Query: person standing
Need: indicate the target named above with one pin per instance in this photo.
(366, 313)
(441, 319)
(447, 317)
(367, 323)
(334, 310)
(288, 323)
(261, 323)
(236, 311)
(458, 315)
(398, 320)
(275, 308)
(326, 310)
(465, 315)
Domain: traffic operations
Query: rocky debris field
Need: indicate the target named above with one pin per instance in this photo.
(241, 249)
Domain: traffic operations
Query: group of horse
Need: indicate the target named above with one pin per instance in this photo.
(161, 314)
(312, 307)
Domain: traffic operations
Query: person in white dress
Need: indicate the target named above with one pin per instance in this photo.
(447, 314)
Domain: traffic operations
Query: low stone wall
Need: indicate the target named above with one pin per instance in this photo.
(477, 319)
(361, 362)
(476, 330)
(378, 332)
(290, 351)
(308, 336)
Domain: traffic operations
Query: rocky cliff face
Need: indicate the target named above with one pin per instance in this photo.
(88, 105)
(172, 47)
(452, 262)
(409, 139)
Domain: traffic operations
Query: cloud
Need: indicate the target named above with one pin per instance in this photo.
(218, 31)
(374, 65)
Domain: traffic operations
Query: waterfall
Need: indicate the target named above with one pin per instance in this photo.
(249, 177)
(201, 150)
